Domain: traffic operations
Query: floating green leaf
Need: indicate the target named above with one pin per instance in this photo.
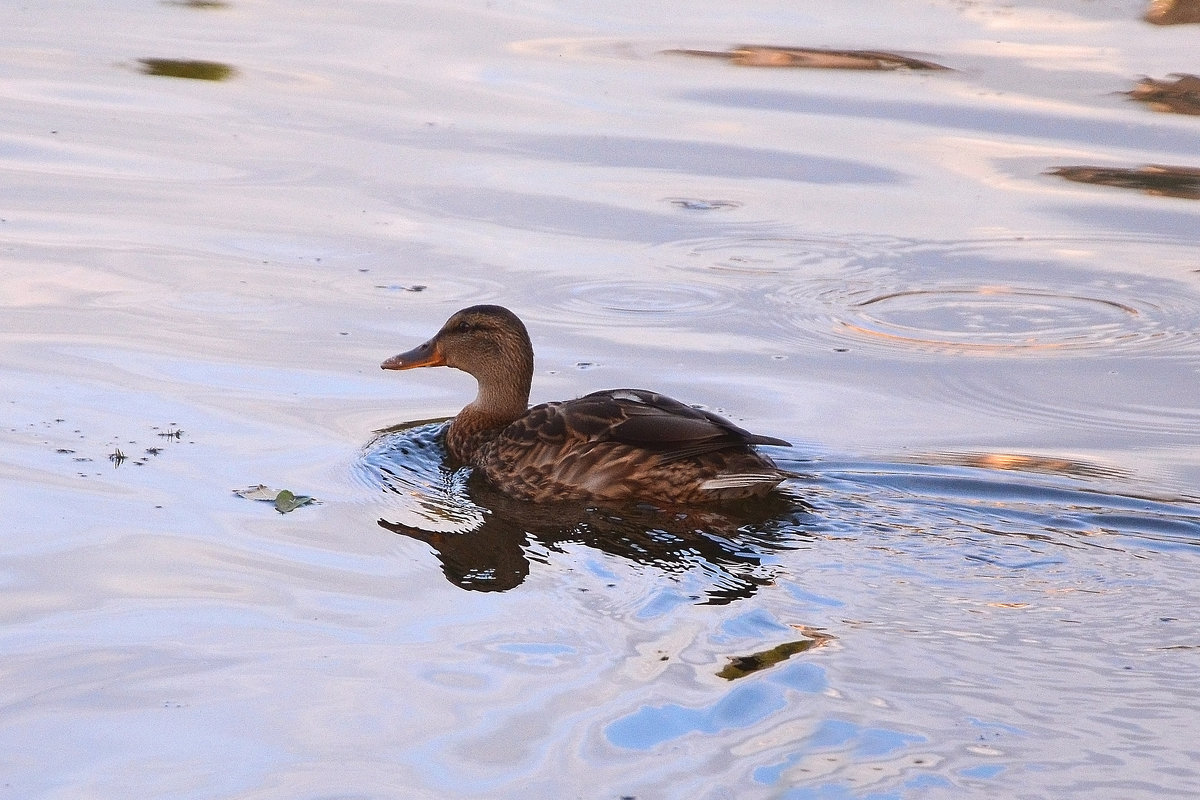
(285, 501)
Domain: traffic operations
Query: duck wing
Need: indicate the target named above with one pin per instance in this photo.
(654, 422)
(628, 443)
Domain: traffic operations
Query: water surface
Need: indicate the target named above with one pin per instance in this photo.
(979, 582)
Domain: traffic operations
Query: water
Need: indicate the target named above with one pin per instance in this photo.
(978, 584)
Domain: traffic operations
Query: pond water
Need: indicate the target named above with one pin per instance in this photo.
(970, 298)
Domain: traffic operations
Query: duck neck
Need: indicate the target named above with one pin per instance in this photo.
(503, 397)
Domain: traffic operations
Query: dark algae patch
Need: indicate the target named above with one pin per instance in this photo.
(741, 666)
(1154, 179)
(1180, 96)
(180, 68)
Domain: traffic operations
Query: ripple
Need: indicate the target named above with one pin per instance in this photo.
(773, 255)
(406, 465)
(985, 320)
(1157, 415)
(440, 287)
(995, 508)
(1025, 462)
(943, 298)
(993, 319)
(645, 298)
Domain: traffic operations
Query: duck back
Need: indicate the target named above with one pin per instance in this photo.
(627, 444)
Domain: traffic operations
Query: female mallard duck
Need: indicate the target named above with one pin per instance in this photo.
(614, 445)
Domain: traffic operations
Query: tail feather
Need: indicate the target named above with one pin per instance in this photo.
(743, 480)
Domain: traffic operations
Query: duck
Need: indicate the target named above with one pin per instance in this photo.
(610, 446)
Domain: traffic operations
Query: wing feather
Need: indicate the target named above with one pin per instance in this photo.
(655, 422)
(629, 443)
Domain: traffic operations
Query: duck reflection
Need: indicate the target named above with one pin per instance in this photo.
(485, 540)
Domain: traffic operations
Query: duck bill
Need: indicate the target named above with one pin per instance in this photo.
(424, 355)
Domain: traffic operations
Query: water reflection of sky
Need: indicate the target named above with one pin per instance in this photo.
(739, 708)
(988, 370)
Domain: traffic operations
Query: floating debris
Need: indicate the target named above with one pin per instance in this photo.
(741, 666)
(696, 204)
(1173, 12)
(393, 287)
(117, 457)
(259, 492)
(194, 70)
(752, 55)
(1181, 96)
(1153, 179)
(284, 500)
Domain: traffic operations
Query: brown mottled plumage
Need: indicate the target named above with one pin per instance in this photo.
(614, 445)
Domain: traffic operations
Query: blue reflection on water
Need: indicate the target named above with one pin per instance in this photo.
(836, 791)
(754, 624)
(664, 602)
(803, 595)
(652, 725)
(741, 707)
(804, 677)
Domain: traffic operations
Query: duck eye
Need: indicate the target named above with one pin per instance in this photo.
(464, 327)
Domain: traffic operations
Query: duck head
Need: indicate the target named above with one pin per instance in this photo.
(488, 342)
